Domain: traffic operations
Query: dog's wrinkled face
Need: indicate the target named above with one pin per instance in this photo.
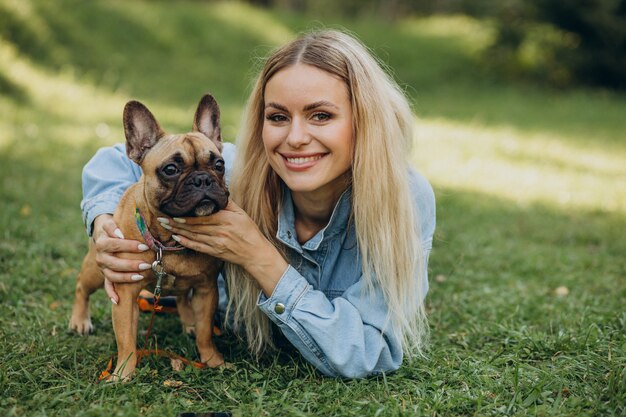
(183, 174)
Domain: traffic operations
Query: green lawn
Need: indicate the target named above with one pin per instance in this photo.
(528, 295)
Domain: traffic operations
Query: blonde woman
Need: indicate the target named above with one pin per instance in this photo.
(328, 233)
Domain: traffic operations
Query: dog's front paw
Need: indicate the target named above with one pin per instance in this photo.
(81, 325)
(214, 360)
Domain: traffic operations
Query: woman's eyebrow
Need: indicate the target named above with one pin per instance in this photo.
(317, 104)
(276, 106)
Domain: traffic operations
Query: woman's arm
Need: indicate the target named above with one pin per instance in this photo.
(349, 336)
(105, 178)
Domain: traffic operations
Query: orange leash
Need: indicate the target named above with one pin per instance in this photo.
(106, 374)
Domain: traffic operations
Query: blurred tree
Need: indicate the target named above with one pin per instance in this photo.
(555, 42)
(561, 43)
(599, 28)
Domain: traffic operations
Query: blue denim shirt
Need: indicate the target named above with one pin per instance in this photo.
(319, 303)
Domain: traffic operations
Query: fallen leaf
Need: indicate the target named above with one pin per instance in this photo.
(561, 291)
(25, 210)
(171, 383)
(440, 278)
(177, 365)
(54, 305)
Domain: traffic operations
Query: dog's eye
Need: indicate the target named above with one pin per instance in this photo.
(170, 170)
(219, 165)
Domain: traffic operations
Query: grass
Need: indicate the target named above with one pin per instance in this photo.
(528, 270)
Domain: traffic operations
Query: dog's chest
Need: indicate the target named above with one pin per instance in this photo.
(181, 274)
(173, 285)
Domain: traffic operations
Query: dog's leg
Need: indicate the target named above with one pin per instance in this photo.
(89, 280)
(204, 304)
(183, 306)
(125, 317)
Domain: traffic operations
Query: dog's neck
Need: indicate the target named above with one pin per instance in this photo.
(152, 229)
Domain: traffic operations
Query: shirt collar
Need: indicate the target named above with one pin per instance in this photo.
(337, 224)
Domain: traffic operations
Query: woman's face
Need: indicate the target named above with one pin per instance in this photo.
(307, 129)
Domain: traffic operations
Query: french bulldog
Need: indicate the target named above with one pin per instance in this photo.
(183, 176)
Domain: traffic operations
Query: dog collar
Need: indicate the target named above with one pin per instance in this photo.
(147, 236)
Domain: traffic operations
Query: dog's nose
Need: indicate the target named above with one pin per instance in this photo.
(201, 180)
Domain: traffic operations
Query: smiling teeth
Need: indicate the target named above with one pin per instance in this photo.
(303, 160)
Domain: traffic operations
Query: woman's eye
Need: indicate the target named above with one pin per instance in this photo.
(170, 170)
(321, 117)
(276, 117)
(219, 166)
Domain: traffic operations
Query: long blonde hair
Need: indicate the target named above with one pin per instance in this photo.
(386, 226)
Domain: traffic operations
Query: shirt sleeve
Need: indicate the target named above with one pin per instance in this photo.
(349, 336)
(425, 211)
(105, 179)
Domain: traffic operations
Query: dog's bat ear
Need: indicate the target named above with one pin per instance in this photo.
(141, 129)
(207, 120)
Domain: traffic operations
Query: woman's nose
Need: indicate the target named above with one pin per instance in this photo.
(298, 134)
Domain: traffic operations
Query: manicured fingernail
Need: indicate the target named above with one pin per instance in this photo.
(137, 277)
(165, 226)
(163, 220)
(179, 220)
(143, 267)
(113, 300)
(176, 238)
(142, 247)
(118, 233)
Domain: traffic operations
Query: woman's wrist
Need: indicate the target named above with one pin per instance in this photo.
(267, 267)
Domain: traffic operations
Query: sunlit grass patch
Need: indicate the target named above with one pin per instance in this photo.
(521, 167)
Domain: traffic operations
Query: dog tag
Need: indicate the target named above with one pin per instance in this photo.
(159, 272)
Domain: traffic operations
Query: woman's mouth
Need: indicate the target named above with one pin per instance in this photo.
(301, 162)
(303, 159)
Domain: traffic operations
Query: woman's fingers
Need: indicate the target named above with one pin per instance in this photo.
(109, 226)
(210, 247)
(113, 245)
(121, 277)
(112, 262)
(110, 290)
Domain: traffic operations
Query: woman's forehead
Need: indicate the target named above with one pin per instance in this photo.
(303, 79)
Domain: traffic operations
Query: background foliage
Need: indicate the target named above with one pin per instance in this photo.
(552, 42)
(527, 276)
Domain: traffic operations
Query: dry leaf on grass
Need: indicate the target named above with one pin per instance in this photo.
(171, 383)
(177, 365)
(25, 210)
(561, 291)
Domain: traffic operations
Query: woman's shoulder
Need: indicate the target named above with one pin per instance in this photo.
(424, 201)
(229, 151)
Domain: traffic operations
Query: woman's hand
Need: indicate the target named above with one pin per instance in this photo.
(109, 241)
(231, 235)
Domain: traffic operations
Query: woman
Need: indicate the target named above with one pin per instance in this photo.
(328, 232)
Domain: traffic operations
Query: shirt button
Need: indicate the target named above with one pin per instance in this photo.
(279, 308)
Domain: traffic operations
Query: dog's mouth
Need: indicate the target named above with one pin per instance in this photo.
(205, 207)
